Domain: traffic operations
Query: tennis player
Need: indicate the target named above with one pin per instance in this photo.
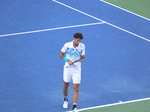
(70, 52)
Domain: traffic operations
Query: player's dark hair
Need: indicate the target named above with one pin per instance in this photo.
(78, 35)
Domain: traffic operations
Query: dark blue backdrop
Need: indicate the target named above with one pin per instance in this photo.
(116, 67)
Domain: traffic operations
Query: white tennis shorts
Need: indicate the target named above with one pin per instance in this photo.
(72, 73)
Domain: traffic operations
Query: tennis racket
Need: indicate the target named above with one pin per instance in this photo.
(74, 62)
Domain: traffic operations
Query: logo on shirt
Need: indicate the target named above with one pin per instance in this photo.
(74, 51)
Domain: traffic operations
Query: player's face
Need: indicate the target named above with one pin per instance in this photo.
(76, 41)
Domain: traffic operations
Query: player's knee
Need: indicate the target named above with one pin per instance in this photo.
(76, 89)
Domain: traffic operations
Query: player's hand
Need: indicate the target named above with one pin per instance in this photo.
(70, 62)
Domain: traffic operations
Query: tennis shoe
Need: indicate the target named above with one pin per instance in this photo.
(75, 110)
(65, 105)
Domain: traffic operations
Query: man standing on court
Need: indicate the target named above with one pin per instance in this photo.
(70, 52)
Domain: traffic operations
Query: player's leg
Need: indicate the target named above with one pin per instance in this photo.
(65, 90)
(67, 79)
(76, 85)
(75, 95)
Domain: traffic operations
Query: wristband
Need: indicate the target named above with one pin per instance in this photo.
(65, 59)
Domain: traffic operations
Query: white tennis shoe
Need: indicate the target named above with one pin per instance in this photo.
(65, 105)
(75, 110)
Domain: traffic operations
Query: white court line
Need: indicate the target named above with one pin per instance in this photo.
(101, 20)
(132, 101)
(125, 10)
(77, 10)
(128, 32)
(35, 31)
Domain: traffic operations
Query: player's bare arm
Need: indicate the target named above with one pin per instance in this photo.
(61, 55)
(82, 58)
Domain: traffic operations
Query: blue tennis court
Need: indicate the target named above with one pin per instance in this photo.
(32, 32)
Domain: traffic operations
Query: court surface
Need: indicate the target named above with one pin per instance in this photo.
(116, 68)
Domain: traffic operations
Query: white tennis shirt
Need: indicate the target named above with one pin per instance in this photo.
(73, 53)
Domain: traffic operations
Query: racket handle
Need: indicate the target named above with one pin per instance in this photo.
(73, 62)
